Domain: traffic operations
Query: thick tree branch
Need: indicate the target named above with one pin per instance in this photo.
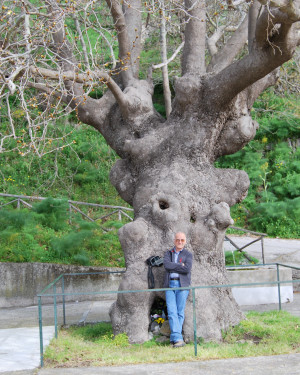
(269, 52)
(193, 60)
(234, 45)
(133, 18)
(86, 79)
(258, 87)
(213, 40)
(165, 74)
(124, 43)
(253, 15)
(238, 130)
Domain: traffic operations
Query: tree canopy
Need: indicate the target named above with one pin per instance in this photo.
(62, 56)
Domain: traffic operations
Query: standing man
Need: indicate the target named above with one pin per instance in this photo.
(178, 265)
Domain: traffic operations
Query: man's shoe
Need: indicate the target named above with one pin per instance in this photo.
(179, 344)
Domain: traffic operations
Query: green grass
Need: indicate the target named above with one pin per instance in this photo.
(269, 333)
(236, 258)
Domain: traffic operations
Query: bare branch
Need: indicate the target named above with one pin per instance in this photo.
(233, 46)
(193, 60)
(179, 48)
(70, 75)
(11, 122)
(212, 41)
(83, 45)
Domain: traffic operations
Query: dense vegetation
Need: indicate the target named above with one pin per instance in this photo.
(80, 172)
(272, 161)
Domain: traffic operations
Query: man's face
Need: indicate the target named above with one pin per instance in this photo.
(180, 241)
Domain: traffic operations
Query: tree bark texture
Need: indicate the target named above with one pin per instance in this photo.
(170, 180)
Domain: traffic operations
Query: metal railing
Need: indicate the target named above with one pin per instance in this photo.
(240, 249)
(55, 295)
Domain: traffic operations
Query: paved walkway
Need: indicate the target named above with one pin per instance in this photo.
(273, 365)
(276, 250)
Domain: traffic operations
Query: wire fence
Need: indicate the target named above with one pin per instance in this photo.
(63, 294)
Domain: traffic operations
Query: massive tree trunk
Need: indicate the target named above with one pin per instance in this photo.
(170, 180)
(166, 168)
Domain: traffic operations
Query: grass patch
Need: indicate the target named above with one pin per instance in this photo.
(268, 333)
(236, 258)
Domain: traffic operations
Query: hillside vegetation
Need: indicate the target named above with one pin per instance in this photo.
(79, 170)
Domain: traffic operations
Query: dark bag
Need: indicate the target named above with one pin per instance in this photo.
(154, 261)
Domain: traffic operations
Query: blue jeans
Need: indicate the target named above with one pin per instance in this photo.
(176, 300)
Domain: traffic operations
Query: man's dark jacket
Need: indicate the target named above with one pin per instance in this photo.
(184, 271)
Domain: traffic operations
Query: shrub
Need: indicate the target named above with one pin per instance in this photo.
(53, 213)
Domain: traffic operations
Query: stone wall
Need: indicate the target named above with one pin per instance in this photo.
(262, 293)
(21, 282)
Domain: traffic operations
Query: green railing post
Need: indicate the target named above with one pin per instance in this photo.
(55, 310)
(194, 321)
(41, 333)
(63, 299)
(262, 250)
(278, 280)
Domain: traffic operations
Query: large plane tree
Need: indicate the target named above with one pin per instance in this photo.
(85, 56)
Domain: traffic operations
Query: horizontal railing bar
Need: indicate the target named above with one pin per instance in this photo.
(164, 289)
(123, 271)
(288, 266)
(248, 231)
(69, 201)
(22, 196)
(253, 265)
(93, 273)
(263, 265)
(101, 205)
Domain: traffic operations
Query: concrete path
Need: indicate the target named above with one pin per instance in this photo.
(276, 250)
(19, 331)
(20, 347)
(273, 365)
